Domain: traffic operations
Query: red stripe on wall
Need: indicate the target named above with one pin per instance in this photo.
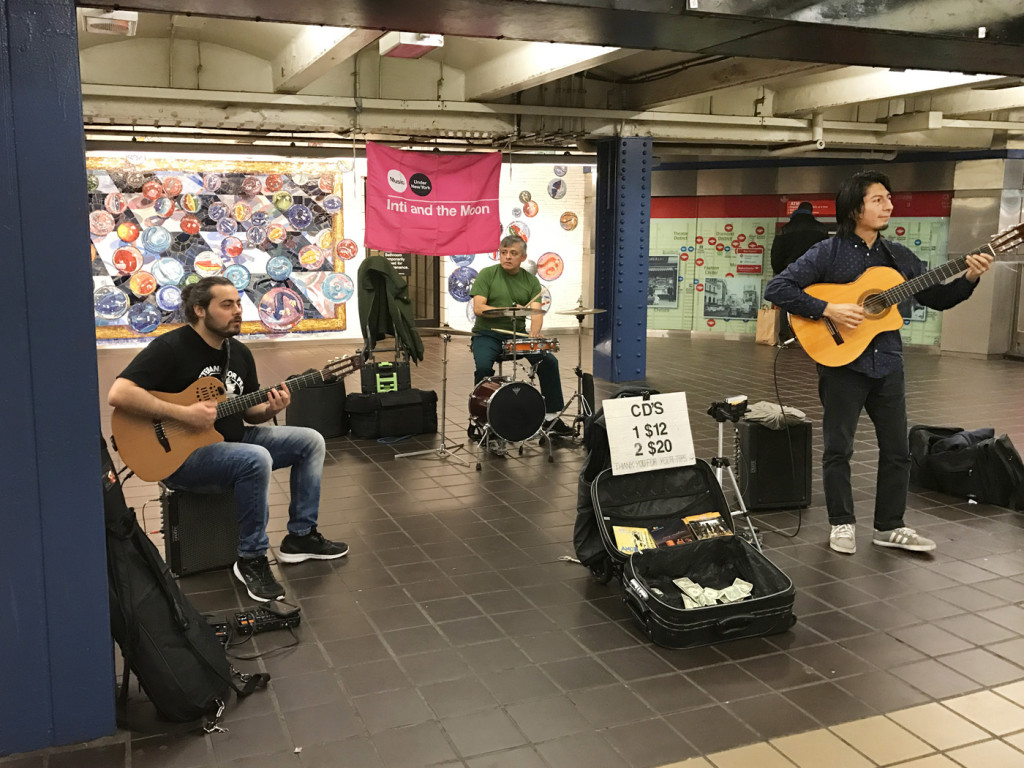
(905, 204)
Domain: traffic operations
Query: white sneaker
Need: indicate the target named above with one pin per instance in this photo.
(903, 538)
(841, 539)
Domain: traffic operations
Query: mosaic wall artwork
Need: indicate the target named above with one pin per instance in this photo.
(276, 230)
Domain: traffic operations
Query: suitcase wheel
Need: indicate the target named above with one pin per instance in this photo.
(602, 570)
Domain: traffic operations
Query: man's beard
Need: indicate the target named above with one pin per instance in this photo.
(225, 332)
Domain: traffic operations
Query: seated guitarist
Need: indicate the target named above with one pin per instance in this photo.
(248, 455)
(873, 381)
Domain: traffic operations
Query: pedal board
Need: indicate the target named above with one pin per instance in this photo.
(276, 614)
(221, 629)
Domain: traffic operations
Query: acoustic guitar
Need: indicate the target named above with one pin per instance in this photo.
(155, 448)
(878, 290)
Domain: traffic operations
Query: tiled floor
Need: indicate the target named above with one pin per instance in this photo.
(454, 635)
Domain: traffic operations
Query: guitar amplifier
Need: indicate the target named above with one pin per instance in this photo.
(773, 466)
(200, 530)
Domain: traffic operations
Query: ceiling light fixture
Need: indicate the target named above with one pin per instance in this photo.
(408, 45)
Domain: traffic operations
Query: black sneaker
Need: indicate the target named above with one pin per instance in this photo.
(312, 546)
(259, 582)
(558, 428)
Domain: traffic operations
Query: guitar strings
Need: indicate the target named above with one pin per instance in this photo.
(242, 403)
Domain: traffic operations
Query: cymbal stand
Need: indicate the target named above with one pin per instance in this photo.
(583, 409)
(443, 451)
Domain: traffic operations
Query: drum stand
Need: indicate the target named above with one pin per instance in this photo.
(443, 451)
(720, 462)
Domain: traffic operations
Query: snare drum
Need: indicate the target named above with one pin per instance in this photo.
(513, 409)
(528, 346)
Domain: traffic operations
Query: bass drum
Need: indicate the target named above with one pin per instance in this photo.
(513, 409)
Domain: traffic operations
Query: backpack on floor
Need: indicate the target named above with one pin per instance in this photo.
(971, 464)
(166, 643)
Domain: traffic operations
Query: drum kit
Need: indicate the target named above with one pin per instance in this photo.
(505, 410)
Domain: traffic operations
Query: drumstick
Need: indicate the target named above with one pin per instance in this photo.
(510, 333)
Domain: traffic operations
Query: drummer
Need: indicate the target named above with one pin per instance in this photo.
(507, 284)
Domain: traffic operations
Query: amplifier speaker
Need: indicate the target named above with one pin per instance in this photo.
(773, 466)
(200, 530)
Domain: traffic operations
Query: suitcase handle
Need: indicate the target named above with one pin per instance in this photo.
(639, 610)
(734, 624)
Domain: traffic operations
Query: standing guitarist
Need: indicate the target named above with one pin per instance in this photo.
(248, 455)
(873, 381)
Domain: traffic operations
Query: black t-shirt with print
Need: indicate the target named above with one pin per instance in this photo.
(174, 361)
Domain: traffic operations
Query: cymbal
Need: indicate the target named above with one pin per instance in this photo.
(511, 312)
(581, 311)
(439, 331)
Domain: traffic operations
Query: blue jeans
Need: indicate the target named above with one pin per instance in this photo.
(486, 347)
(844, 394)
(246, 467)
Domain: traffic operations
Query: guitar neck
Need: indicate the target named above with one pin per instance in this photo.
(242, 403)
(904, 291)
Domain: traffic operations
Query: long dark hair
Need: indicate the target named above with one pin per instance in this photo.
(850, 199)
(199, 295)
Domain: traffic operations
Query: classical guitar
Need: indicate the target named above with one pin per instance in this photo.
(155, 448)
(878, 290)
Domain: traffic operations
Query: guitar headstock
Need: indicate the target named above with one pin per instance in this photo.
(342, 366)
(1008, 239)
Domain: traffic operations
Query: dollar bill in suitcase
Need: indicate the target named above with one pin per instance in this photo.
(687, 579)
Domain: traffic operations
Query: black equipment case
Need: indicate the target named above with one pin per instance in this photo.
(320, 407)
(392, 414)
(664, 497)
(386, 377)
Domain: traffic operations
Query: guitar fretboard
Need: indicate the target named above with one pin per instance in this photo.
(904, 291)
(242, 403)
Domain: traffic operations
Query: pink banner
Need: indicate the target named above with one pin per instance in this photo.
(424, 202)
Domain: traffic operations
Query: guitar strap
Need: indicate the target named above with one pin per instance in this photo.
(227, 362)
(884, 245)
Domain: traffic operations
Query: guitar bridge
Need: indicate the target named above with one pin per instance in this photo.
(161, 436)
(837, 337)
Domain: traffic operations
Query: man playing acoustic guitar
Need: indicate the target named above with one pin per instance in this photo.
(248, 455)
(874, 380)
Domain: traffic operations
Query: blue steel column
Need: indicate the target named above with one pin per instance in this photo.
(623, 202)
(56, 660)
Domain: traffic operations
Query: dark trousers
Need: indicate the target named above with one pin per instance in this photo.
(844, 394)
(487, 349)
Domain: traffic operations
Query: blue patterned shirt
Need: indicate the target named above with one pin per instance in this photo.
(840, 260)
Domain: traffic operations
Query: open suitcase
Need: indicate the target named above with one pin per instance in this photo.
(663, 498)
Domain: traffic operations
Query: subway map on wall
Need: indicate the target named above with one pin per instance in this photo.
(274, 230)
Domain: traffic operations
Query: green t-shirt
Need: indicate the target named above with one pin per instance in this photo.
(500, 289)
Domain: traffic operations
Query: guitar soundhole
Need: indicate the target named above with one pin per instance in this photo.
(209, 393)
(872, 308)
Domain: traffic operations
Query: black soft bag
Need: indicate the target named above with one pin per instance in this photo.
(166, 643)
(968, 464)
(392, 414)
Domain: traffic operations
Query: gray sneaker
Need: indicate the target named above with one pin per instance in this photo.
(903, 538)
(842, 540)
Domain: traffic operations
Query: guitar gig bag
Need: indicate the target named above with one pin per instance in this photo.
(171, 648)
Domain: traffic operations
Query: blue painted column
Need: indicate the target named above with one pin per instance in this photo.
(623, 202)
(56, 662)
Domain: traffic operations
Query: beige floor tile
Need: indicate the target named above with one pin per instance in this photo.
(882, 740)
(1013, 691)
(816, 749)
(932, 761)
(990, 711)
(1016, 740)
(761, 755)
(693, 762)
(940, 727)
(988, 754)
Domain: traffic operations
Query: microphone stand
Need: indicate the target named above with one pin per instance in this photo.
(443, 451)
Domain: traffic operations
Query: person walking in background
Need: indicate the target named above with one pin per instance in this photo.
(796, 236)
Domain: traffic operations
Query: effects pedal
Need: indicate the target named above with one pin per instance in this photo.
(221, 629)
(275, 614)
